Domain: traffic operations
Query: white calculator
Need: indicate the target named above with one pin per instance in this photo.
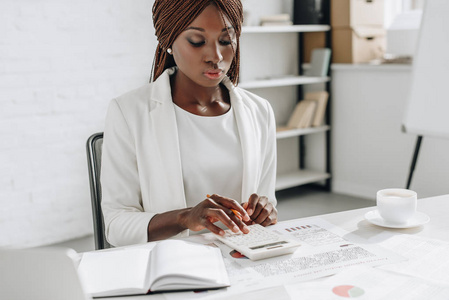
(259, 243)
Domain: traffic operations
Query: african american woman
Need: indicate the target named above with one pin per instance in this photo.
(182, 151)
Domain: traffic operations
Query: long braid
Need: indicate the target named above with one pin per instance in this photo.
(171, 17)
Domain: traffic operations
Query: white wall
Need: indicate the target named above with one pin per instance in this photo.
(394, 7)
(61, 62)
(369, 150)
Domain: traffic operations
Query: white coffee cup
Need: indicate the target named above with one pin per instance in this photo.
(396, 206)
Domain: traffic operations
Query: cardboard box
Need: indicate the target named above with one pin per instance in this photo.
(359, 44)
(350, 13)
(313, 40)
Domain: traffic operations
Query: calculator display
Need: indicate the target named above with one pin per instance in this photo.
(268, 245)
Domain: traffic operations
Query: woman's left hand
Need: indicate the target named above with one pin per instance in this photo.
(260, 210)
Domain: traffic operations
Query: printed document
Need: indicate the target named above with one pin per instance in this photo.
(323, 252)
(427, 258)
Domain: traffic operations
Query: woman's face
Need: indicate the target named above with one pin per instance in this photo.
(204, 51)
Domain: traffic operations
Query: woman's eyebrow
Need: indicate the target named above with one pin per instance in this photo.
(203, 30)
(195, 28)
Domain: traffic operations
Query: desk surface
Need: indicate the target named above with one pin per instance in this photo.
(353, 221)
(436, 207)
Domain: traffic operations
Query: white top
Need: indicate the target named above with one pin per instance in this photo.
(211, 155)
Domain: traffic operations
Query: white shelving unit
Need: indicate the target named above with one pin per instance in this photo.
(281, 29)
(300, 176)
(286, 81)
(302, 131)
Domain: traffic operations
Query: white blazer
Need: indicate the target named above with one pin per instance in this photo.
(141, 172)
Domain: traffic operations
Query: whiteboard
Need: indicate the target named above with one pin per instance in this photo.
(427, 111)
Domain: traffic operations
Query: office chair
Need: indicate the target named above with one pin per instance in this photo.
(94, 148)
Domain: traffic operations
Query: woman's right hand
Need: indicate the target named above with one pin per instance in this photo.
(213, 209)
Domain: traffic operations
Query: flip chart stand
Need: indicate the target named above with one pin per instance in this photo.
(414, 159)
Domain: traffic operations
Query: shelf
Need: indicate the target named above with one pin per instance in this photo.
(285, 81)
(288, 28)
(301, 131)
(371, 67)
(300, 177)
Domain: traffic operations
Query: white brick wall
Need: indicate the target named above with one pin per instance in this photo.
(61, 62)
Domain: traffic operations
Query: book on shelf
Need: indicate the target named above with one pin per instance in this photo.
(319, 62)
(168, 266)
(276, 20)
(302, 115)
(309, 112)
(321, 99)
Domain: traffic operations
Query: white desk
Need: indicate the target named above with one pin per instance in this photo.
(353, 221)
(436, 207)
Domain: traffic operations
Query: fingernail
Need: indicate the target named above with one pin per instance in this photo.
(221, 232)
(235, 228)
(245, 229)
(237, 214)
(250, 211)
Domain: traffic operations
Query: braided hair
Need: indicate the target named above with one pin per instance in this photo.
(171, 17)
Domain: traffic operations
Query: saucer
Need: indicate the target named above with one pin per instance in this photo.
(418, 219)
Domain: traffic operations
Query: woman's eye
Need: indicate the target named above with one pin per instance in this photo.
(196, 44)
(225, 43)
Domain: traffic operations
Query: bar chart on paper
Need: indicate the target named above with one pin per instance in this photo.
(348, 291)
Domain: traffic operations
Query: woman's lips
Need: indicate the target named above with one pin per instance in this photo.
(213, 74)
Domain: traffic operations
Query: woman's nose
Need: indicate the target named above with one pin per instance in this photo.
(214, 54)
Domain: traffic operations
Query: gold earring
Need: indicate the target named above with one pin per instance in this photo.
(169, 51)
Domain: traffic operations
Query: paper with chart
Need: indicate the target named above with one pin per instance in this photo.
(324, 252)
(364, 282)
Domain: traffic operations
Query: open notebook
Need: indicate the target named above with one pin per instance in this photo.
(169, 265)
(40, 274)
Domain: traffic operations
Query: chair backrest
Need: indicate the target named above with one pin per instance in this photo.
(94, 149)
